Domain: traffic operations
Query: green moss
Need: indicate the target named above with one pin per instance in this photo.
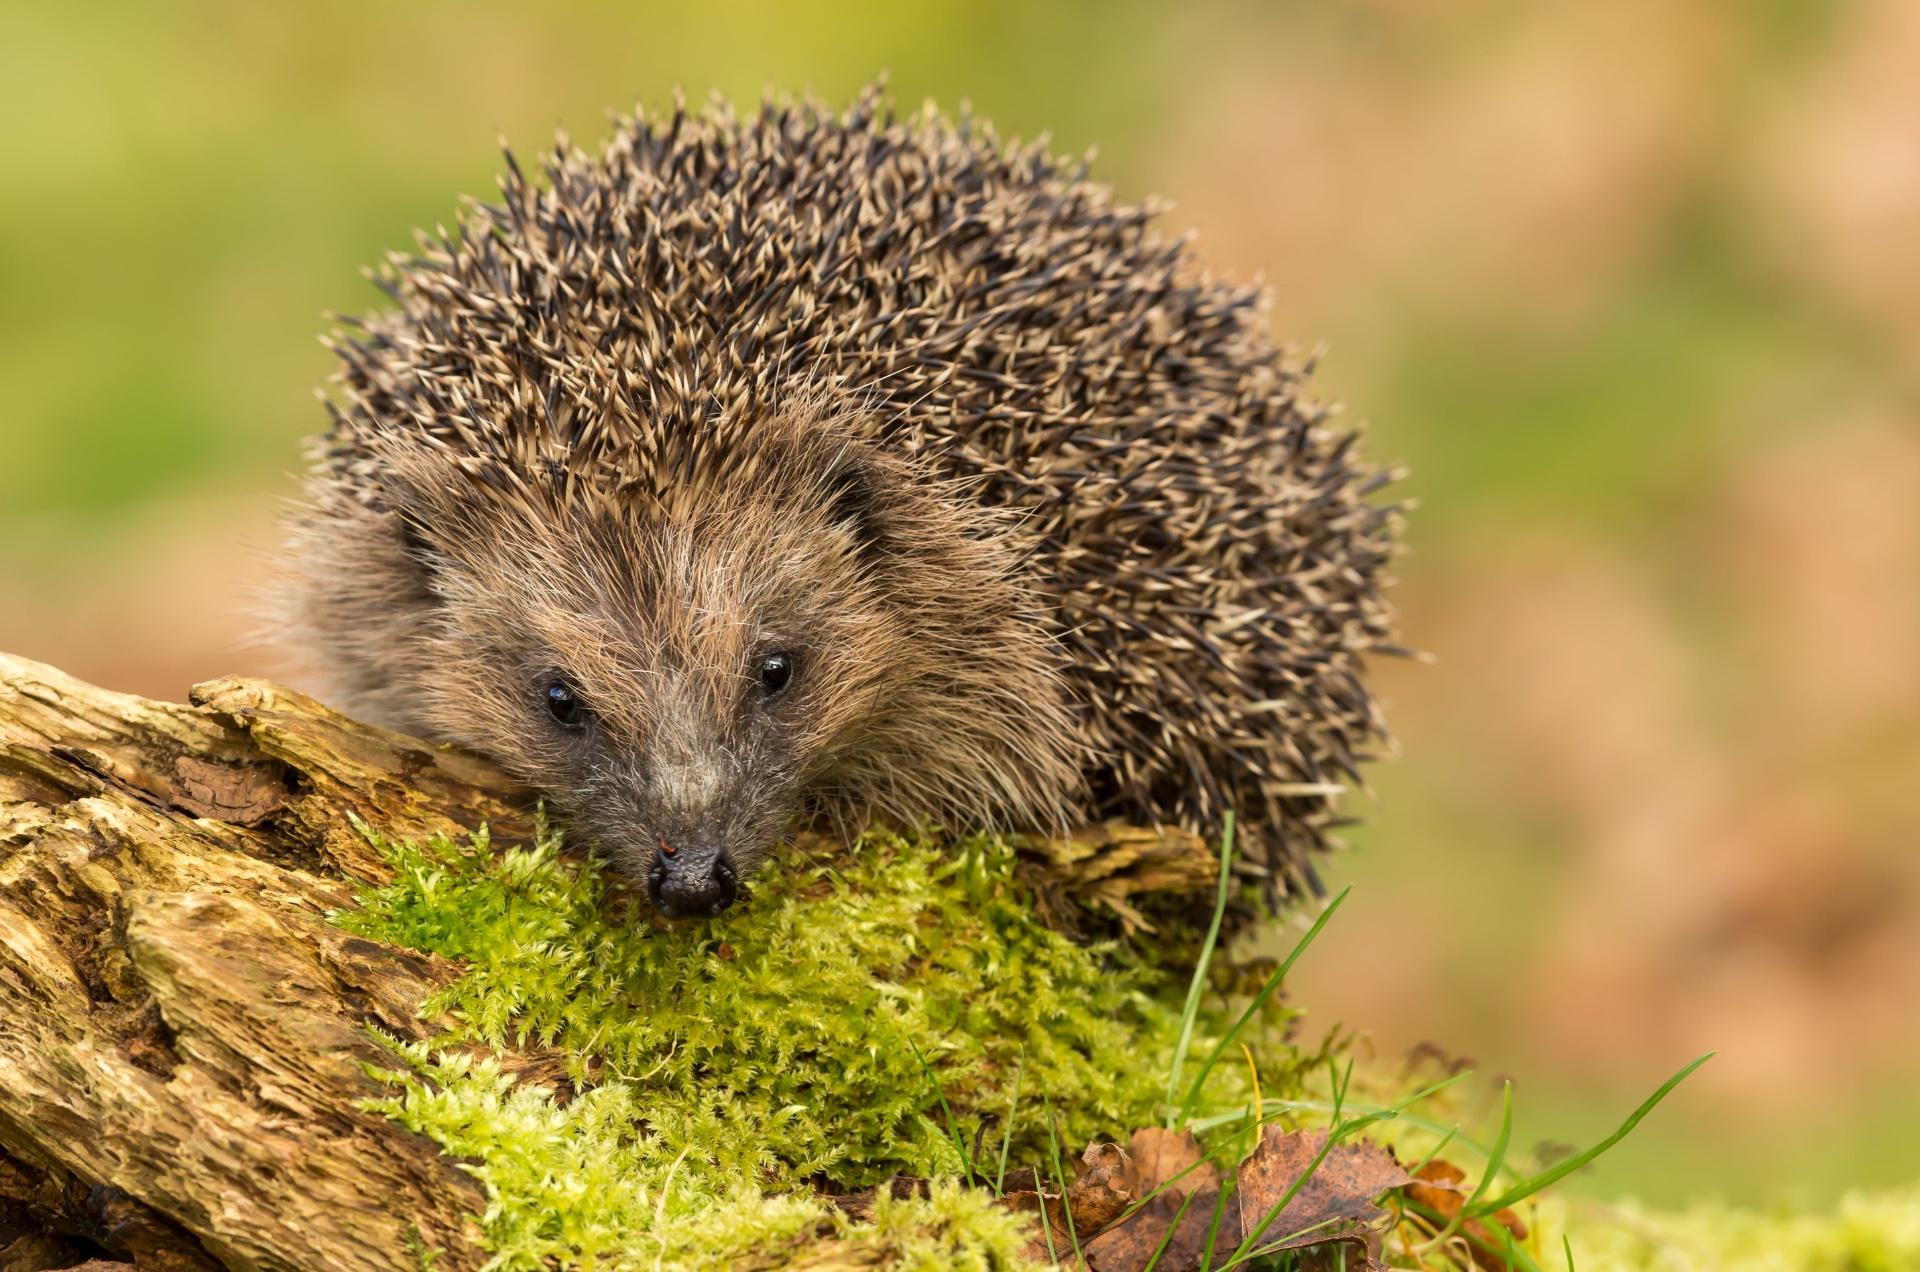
(760, 1048)
(720, 1065)
(583, 1184)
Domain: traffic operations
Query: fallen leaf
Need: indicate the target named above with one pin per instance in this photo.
(1097, 1196)
(1046, 1208)
(1438, 1191)
(1157, 1157)
(1021, 1179)
(1336, 1203)
(1099, 1193)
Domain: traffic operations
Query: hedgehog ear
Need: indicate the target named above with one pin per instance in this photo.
(852, 490)
(419, 548)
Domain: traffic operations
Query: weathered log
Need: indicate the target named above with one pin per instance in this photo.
(182, 1034)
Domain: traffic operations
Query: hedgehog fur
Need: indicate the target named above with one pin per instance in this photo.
(1098, 550)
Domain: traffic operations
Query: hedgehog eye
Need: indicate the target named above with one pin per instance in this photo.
(565, 706)
(775, 671)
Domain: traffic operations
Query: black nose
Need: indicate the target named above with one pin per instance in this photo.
(687, 883)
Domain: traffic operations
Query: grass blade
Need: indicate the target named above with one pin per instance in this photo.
(1199, 1124)
(1046, 1225)
(1340, 1131)
(1245, 1250)
(1259, 1001)
(1433, 1152)
(1497, 1158)
(954, 1136)
(1368, 1112)
(1213, 1229)
(1143, 1202)
(1527, 1187)
(1006, 1140)
(1160, 1250)
(1060, 1173)
(1199, 985)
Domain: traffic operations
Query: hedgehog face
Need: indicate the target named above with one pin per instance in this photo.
(679, 731)
(808, 628)
(677, 676)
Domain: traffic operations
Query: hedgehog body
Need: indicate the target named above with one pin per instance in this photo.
(815, 465)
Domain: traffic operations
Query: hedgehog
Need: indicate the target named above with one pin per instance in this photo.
(829, 467)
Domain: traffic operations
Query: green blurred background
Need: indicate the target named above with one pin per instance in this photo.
(1633, 286)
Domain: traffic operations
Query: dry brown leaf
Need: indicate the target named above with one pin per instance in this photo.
(1336, 1203)
(1098, 1195)
(1440, 1188)
(1158, 1156)
(1046, 1208)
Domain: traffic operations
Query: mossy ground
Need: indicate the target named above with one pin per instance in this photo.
(779, 1040)
(791, 1039)
(827, 1028)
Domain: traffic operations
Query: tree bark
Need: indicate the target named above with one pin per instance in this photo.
(182, 1034)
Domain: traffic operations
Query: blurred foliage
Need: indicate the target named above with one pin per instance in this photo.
(192, 183)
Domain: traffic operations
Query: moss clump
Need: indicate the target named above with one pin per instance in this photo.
(583, 1184)
(719, 1065)
(758, 1049)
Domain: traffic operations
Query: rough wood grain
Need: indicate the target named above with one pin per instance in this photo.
(1111, 863)
(181, 1034)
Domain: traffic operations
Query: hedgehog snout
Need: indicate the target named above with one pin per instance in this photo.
(692, 878)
